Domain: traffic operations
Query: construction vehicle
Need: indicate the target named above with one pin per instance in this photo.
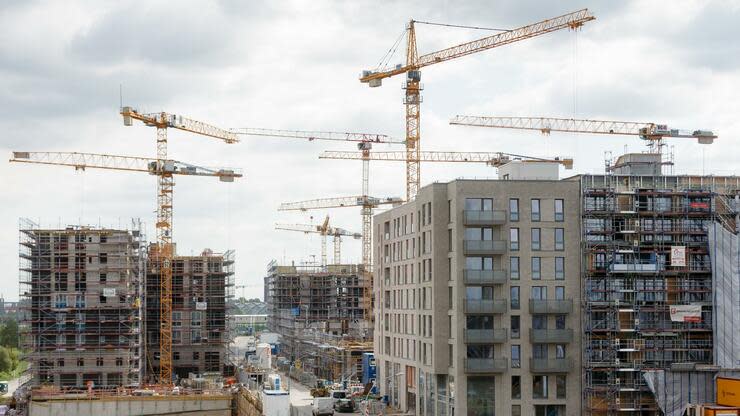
(415, 62)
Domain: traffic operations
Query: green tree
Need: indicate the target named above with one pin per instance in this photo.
(9, 333)
(6, 363)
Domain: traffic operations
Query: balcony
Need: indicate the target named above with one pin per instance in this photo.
(485, 277)
(486, 336)
(496, 217)
(555, 365)
(483, 247)
(550, 336)
(543, 306)
(486, 306)
(486, 365)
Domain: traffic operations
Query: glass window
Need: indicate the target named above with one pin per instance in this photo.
(559, 268)
(516, 356)
(514, 267)
(539, 292)
(559, 321)
(539, 321)
(539, 351)
(560, 351)
(479, 322)
(481, 392)
(516, 387)
(514, 239)
(559, 292)
(473, 204)
(535, 210)
(536, 242)
(487, 204)
(516, 410)
(559, 239)
(515, 327)
(559, 210)
(513, 209)
(536, 268)
(560, 386)
(539, 387)
(473, 263)
(514, 297)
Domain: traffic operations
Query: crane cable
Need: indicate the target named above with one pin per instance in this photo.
(391, 52)
(462, 26)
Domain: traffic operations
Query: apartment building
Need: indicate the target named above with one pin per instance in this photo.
(79, 307)
(201, 288)
(477, 287)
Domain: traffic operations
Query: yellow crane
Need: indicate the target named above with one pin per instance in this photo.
(324, 229)
(414, 63)
(494, 159)
(165, 253)
(653, 133)
(154, 166)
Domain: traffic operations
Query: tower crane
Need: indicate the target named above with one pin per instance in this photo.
(414, 63)
(163, 168)
(494, 159)
(317, 135)
(324, 230)
(652, 133)
(164, 252)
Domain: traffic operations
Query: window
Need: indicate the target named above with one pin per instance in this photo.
(535, 210)
(536, 268)
(80, 362)
(539, 387)
(196, 355)
(478, 234)
(559, 239)
(514, 297)
(449, 211)
(559, 321)
(480, 395)
(539, 321)
(175, 355)
(538, 293)
(103, 277)
(516, 410)
(516, 387)
(559, 210)
(449, 240)
(196, 318)
(119, 362)
(513, 209)
(60, 362)
(515, 327)
(479, 322)
(559, 268)
(99, 361)
(479, 204)
(516, 356)
(560, 383)
(560, 351)
(559, 292)
(514, 267)
(536, 242)
(514, 239)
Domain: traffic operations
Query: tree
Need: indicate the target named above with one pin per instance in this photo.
(9, 333)
(6, 363)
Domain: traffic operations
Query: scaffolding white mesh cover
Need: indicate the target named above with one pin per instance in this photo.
(724, 251)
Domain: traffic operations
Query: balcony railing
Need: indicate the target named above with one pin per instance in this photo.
(484, 217)
(485, 277)
(484, 246)
(545, 306)
(486, 365)
(555, 365)
(550, 336)
(486, 336)
(486, 306)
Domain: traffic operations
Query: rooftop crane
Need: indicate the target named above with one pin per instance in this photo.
(162, 121)
(324, 230)
(651, 132)
(414, 63)
(494, 159)
(159, 167)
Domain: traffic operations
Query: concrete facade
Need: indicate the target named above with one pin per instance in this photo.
(446, 322)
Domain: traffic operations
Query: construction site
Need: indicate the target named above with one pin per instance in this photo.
(446, 309)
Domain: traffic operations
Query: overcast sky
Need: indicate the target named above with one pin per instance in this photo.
(294, 65)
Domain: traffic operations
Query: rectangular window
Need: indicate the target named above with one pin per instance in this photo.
(449, 211)
(559, 321)
(536, 210)
(514, 297)
(516, 410)
(536, 241)
(539, 351)
(515, 327)
(103, 277)
(536, 268)
(560, 384)
(449, 240)
(539, 321)
(514, 239)
(538, 293)
(516, 356)
(559, 268)
(559, 292)
(559, 239)
(514, 267)
(472, 204)
(513, 209)
(559, 210)
(516, 387)
(539, 387)
(560, 351)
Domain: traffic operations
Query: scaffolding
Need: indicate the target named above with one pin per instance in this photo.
(202, 289)
(80, 291)
(630, 225)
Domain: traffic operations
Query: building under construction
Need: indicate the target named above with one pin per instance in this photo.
(201, 288)
(80, 291)
(650, 251)
(322, 315)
